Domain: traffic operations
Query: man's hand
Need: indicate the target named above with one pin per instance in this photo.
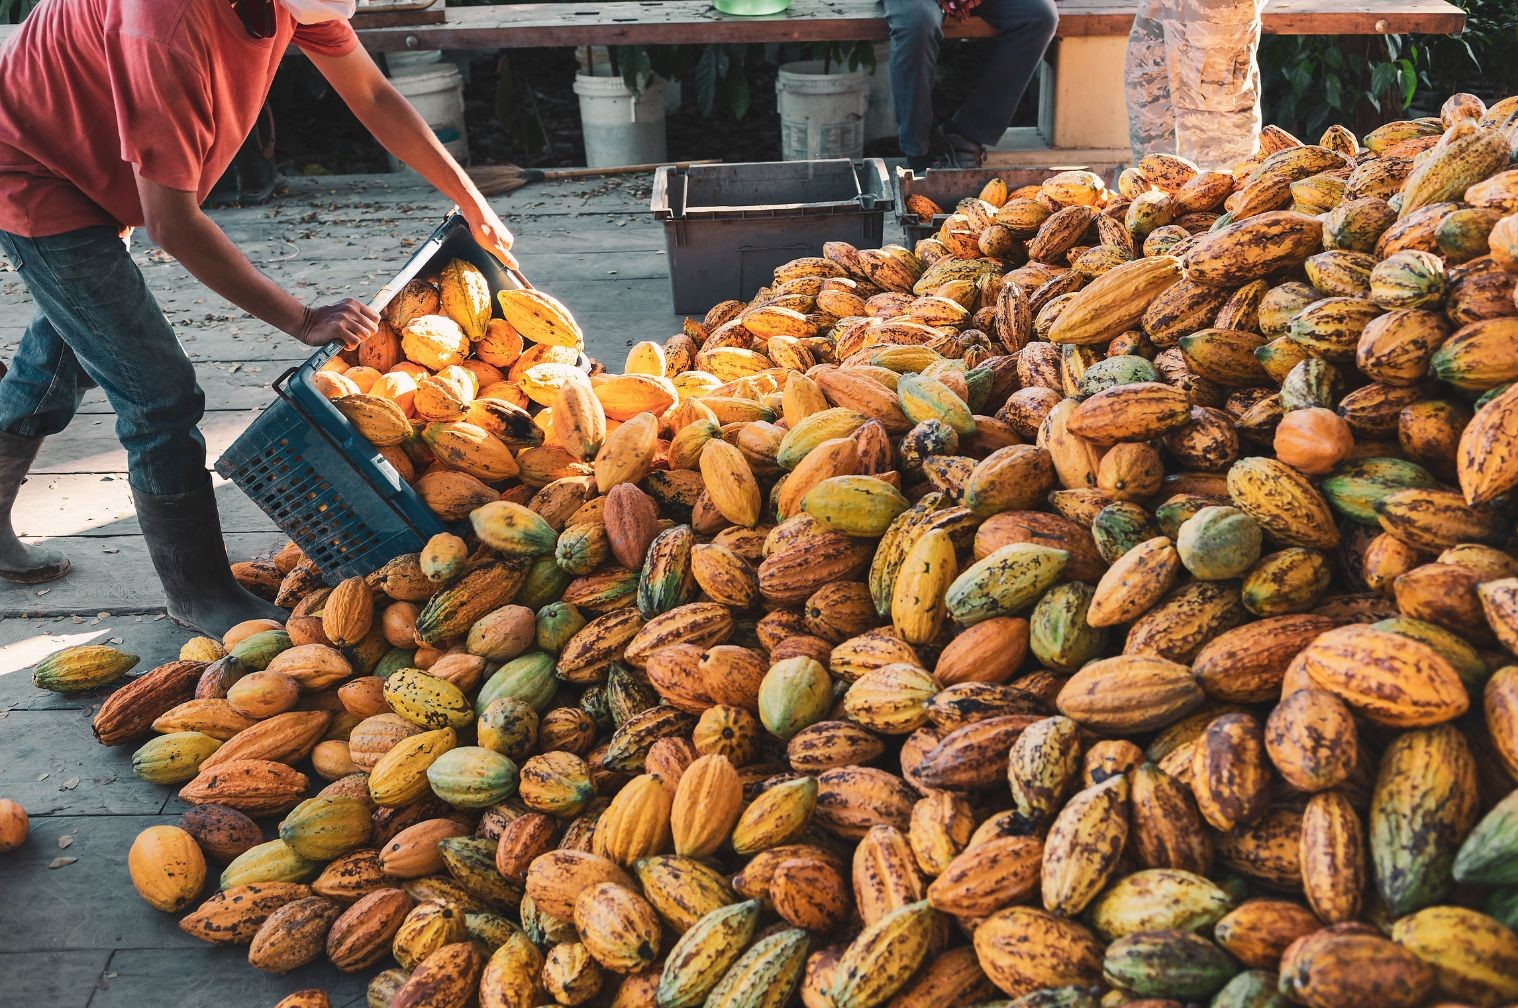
(488, 231)
(348, 322)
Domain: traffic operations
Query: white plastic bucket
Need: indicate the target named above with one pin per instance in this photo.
(595, 61)
(401, 63)
(620, 127)
(437, 93)
(821, 115)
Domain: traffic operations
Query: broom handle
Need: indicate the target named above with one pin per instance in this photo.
(561, 174)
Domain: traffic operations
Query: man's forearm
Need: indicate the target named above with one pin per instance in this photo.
(212, 259)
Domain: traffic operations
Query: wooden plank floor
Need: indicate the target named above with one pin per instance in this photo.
(77, 936)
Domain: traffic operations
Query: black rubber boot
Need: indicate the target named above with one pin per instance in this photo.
(19, 562)
(183, 532)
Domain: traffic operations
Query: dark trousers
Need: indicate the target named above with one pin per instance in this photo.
(97, 324)
(1025, 28)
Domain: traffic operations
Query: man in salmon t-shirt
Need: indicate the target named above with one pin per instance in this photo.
(123, 114)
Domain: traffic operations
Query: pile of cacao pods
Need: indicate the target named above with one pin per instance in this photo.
(1110, 601)
(445, 388)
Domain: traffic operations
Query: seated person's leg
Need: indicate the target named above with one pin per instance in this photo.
(1025, 28)
(916, 31)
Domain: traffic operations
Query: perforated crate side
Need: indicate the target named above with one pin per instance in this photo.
(312, 491)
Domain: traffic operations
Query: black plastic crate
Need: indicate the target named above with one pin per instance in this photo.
(727, 226)
(325, 495)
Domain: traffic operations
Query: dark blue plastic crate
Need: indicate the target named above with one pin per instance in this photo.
(323, 483)
(323, 495)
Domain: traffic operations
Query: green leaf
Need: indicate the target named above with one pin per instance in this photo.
(632, 62)
(739, 99)
(1409, 82)
(1300, 77)
(706, 80)
(1333, 92)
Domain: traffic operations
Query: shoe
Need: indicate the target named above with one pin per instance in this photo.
(19, 562)
(957, 151)
(183, 533)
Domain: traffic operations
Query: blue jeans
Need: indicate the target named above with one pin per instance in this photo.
(1024, 29)
(97, 324)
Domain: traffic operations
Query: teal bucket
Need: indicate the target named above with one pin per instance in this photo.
(751, 8)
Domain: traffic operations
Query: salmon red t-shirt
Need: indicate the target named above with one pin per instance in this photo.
(94, 87)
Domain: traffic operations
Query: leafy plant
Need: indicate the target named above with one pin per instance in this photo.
(717, 74)
(1480, 59)
(1313, 81)
(852, 55)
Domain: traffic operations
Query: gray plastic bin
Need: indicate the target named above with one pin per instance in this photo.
(727, 226)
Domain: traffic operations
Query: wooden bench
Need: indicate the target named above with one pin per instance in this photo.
(1082, 118)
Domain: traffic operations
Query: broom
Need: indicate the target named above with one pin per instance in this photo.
(498, 180)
